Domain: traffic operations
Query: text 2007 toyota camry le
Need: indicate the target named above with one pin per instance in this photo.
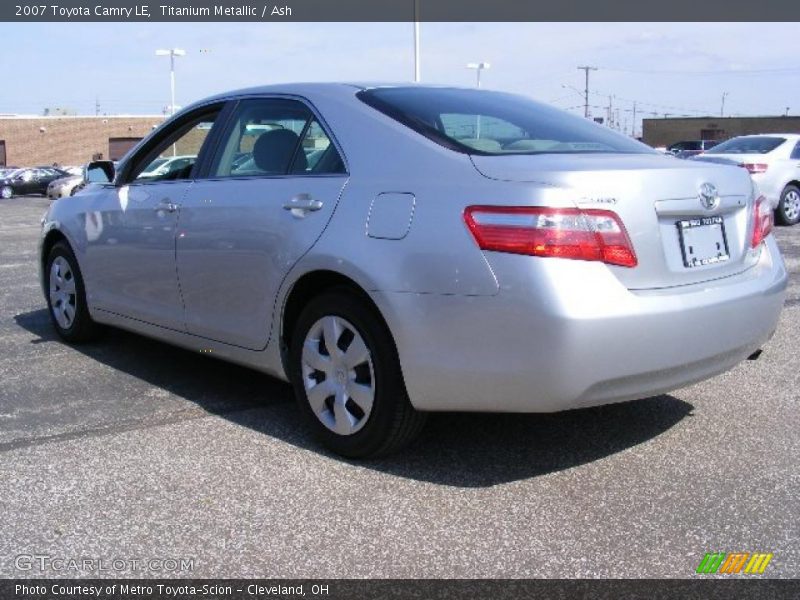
(393, 250)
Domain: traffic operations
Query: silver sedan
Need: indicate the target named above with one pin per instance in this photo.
(396, 250)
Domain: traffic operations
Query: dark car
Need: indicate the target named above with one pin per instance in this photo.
(30, 180)
(689, 148)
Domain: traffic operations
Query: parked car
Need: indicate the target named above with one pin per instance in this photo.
(450, 250)
(64, 186)
(32, 180)
(166, 167)
(773, 161)
(691, 147)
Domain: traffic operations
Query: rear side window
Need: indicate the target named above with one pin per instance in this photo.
(495, 123)
(760, 144)
(796, 151)
(275, 136)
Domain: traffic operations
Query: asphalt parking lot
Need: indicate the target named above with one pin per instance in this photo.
(131, 449)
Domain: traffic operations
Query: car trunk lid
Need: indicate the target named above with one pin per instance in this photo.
(677, 240)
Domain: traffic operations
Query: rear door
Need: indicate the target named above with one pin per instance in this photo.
(267, 195)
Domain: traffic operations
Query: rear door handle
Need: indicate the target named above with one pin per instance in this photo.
(302, 204)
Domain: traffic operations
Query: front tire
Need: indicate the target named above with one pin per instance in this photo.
(6, 192)
(66, 296)
(347, 378)
(788, 211)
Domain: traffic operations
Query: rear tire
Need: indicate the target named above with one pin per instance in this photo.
(347, 379)
(66, 296)
(788, 211)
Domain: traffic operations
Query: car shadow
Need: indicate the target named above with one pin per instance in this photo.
(455, 449)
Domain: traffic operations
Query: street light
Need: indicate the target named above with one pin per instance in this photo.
(478, 68)
(172, 53)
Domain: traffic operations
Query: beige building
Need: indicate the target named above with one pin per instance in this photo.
(663, 132)
(69, 140)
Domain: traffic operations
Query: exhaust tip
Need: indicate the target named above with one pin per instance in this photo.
(755, 355)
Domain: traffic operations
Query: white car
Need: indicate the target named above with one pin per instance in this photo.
(773, 161)
(162, 167)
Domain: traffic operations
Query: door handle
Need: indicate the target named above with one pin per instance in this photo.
(166, 206)
(302, 204)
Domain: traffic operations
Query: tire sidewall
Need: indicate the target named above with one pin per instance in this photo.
(389, 388)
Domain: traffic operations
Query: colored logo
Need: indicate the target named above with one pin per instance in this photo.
(734, 562)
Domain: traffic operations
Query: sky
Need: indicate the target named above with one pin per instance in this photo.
(666, 68)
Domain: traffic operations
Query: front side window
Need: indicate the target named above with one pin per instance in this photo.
(495, 123)
(796, 151)
(173, 157)
(273, 136)
(757, 144)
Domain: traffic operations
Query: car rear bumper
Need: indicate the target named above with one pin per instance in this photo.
(567, 334)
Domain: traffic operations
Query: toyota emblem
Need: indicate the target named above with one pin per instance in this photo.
(709, 197)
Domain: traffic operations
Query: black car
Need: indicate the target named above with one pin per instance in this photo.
(30, 180)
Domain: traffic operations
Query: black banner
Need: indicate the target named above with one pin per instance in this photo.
(400, 10)
(400, 589)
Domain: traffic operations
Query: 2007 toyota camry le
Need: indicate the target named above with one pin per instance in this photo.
(399, 249)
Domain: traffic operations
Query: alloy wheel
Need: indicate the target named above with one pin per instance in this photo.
(6, 192)
(338, 375)
(791, 205)
(63, 297)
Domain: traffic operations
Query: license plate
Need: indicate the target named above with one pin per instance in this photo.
(703, 241)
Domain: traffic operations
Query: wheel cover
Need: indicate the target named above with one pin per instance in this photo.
(63, 298)
(338, 375)
(6, 192)
(791, 205)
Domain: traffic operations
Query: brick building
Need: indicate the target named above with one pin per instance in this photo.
(69, 140)
(663, 132)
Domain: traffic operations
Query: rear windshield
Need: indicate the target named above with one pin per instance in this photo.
(495, 123)
(748, 145)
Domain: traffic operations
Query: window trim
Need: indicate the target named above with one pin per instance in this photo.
(169, 128)
(229, 121)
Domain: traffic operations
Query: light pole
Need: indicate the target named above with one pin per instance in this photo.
(172, 53)
(479, 66)
(722, 108)
(416, 42)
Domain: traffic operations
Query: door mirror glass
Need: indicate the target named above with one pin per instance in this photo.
(99, 171)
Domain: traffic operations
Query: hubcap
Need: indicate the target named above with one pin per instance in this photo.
(6, 193)
(791, 205)
(338, 375)
(62, 292)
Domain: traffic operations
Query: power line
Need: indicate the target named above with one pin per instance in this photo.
(714, 72)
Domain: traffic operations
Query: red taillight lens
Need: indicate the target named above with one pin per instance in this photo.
(754, 168)
(552, 232)
(762, 221)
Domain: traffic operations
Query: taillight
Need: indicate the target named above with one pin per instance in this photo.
(597, 235)
(762, 221)
(754, 168)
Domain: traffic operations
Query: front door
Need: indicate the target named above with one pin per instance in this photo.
(131, 249)
(269, 192)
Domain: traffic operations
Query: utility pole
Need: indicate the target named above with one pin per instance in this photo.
(610, 117)
(586, 89)
(722, 108)
(96, 106)
(633, 126)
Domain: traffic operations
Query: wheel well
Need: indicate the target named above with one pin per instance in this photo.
(51, 239)
(794, 183)
(309, 286)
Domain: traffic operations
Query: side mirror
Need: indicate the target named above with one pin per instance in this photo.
(99, 171)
